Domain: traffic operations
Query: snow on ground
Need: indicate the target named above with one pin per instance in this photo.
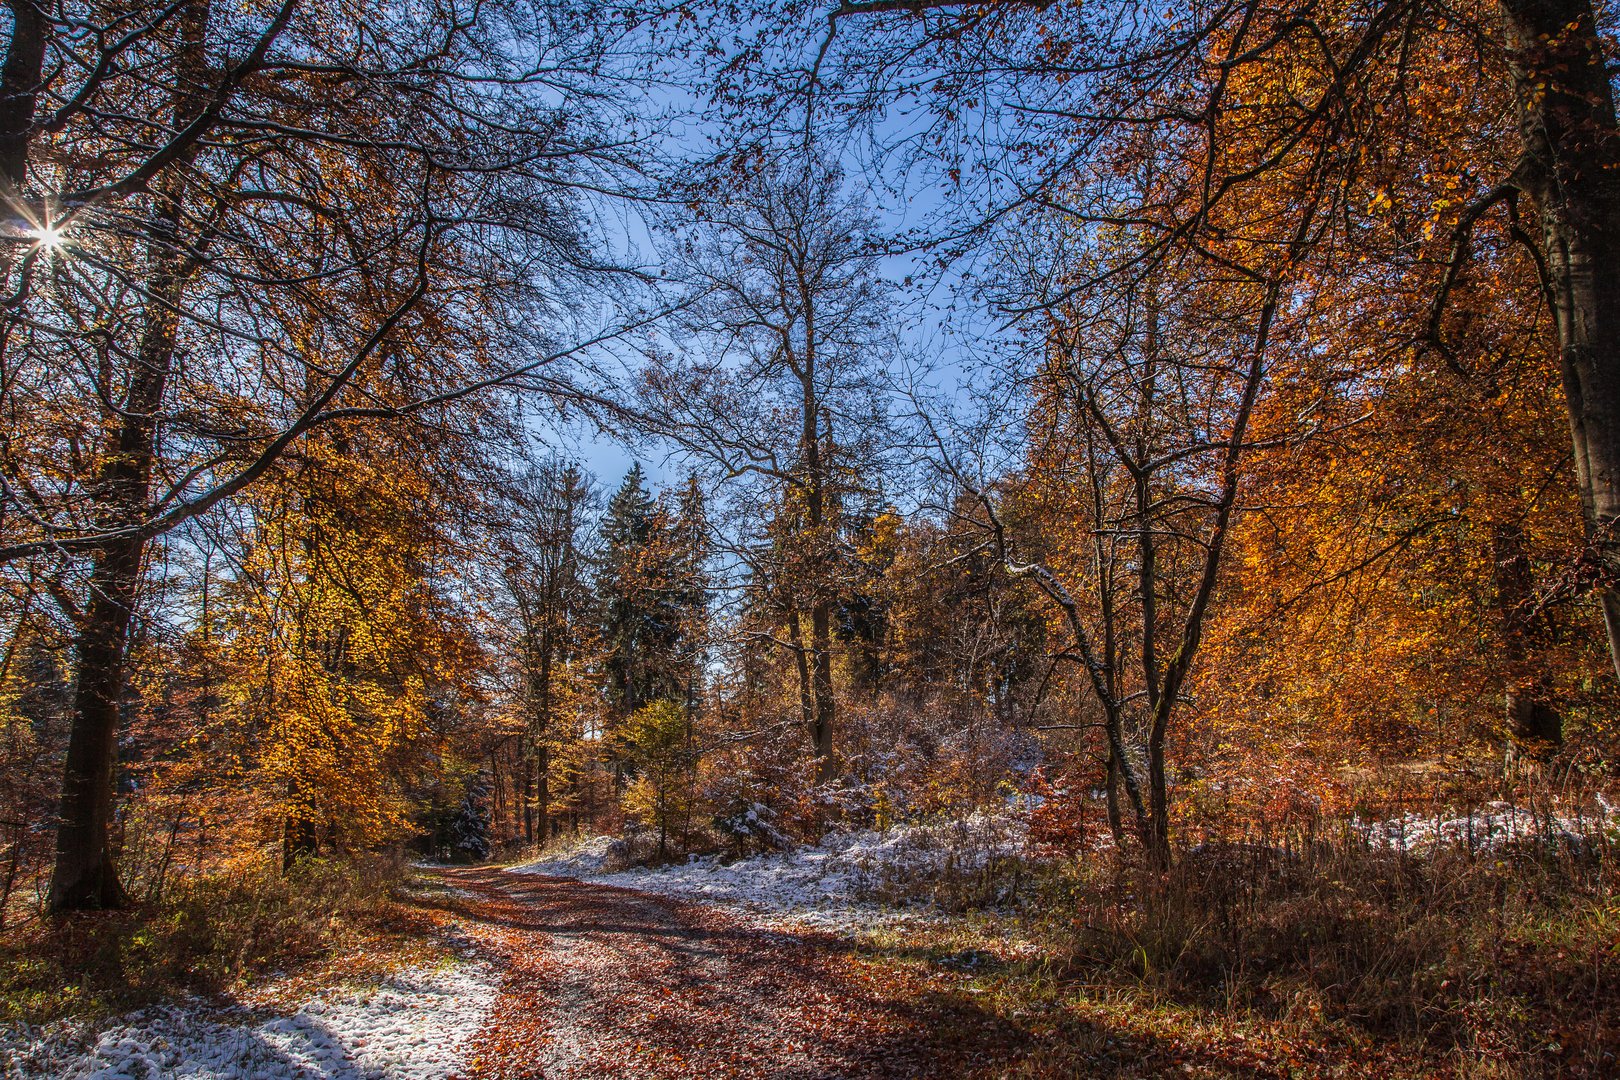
(1491, 827)
(839, 884)
(832, 885)
(411, 1026)
(581, 859)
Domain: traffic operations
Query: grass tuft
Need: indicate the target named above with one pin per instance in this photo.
(207, 936)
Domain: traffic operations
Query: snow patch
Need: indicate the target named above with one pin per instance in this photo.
(411, 1026)
(1491, 827)
(832, 885)
(581, 859)
(840, 883)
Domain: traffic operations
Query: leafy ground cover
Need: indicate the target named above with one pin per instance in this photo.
(250, 937)
(1466, 943)
(1474, 945)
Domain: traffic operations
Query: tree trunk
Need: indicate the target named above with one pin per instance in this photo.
(801, 661)
(820, 563)
(85, 875)
(534, 812)
(1156, 827)
(542, 823)
(1116, 822)
(499, 825)
(1570, 169)
(19, 89)
(298, 839)
(528, 793)
(821, 647)
(1534, 723)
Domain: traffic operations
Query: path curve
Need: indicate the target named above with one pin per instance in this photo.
(599, 981)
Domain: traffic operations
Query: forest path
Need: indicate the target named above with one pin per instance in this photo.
(598, 981)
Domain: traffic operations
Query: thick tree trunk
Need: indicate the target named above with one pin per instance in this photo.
(1570, 169)
(84, 875)
(298, 837)
(19, 89)
(1535, 726)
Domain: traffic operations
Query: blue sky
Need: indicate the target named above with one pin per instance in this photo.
(939, 325)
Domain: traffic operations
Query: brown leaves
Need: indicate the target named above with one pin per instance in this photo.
(606, 982)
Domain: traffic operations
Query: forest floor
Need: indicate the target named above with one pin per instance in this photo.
(602, 981)
(559, 979)
(598, 981)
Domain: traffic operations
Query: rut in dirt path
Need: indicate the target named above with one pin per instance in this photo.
(605, 982)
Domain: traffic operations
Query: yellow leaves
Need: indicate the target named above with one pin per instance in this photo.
(879, 544)
(1364, 609)
(658, 738)
(343, 649)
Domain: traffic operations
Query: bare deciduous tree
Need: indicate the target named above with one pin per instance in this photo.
(788, 305)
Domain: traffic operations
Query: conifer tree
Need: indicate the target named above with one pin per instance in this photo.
(640, 620)
(691, 585)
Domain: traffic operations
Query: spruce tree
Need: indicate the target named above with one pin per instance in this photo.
(639, 626)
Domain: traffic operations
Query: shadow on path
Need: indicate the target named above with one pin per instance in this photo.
(600, 981)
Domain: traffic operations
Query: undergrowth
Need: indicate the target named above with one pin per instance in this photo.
(204, 936)
(1306, 958)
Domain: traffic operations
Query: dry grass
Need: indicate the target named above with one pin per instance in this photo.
(1309, 954)
(209, 935)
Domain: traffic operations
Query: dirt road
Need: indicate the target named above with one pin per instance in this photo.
(605, 982)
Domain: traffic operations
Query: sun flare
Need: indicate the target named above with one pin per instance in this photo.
(50, 237)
